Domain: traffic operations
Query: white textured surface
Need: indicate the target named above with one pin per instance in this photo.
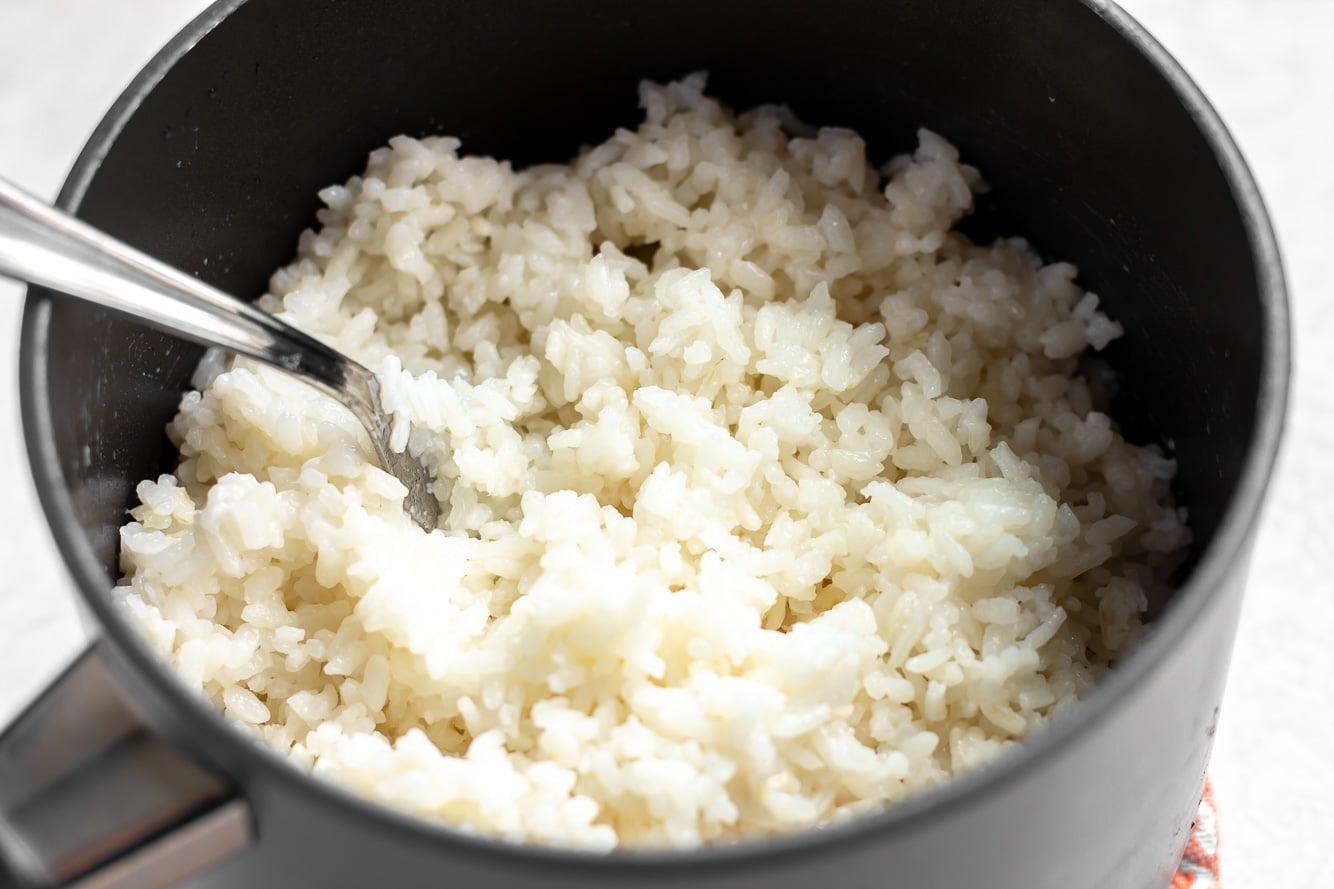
(1264, 63)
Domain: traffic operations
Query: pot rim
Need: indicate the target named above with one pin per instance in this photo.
(212, 731)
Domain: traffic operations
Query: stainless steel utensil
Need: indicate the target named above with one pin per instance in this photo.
(42, 245)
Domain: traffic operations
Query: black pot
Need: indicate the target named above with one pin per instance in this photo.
(1099, 149)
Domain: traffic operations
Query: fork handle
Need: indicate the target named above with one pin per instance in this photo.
(43, 245)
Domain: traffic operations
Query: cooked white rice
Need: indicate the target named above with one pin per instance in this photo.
(767, 499)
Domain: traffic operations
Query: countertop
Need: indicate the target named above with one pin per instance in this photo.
(1265, 65)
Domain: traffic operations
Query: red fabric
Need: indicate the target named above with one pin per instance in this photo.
(1199, 866)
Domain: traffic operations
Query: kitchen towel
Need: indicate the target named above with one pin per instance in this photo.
(1199, 866)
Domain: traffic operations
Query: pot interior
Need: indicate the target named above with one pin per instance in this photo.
(1087, 148)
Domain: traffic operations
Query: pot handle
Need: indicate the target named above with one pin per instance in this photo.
(92, 798)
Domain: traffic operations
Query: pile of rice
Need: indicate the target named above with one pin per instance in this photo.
(767, 498)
